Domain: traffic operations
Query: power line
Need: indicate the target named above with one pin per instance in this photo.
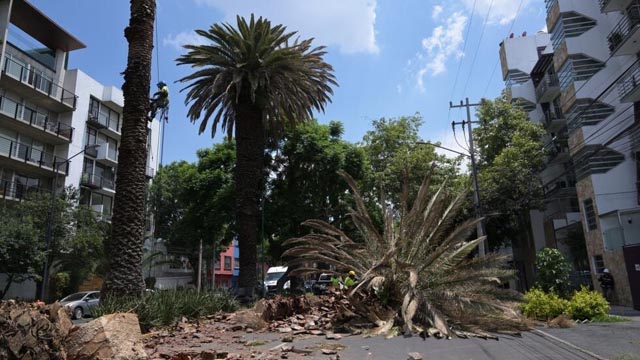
(484, 25)
(464, 47)
(498, 61)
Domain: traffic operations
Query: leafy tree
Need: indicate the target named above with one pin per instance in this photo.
(394, 151)
(22, 250)
(253, 79)
(78, 236)
(304, 183)
(553, 271)
(193, 202)
(124, 275)
(510, 157)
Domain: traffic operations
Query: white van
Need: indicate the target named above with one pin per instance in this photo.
(273, 275)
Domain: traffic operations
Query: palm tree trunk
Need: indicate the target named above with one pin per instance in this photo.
(124, 275)
(250, 145)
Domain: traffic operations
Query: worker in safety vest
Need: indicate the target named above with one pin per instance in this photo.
(160, 100)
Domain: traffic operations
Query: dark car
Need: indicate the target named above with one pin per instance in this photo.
(320, 286)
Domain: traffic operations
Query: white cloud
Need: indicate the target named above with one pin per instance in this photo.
(349, 25)
(183, 38)
(437, 10)
(443, 44)
(502, 11)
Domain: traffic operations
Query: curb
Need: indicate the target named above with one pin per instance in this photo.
(568, 344)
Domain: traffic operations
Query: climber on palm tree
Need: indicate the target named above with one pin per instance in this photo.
(159, 101)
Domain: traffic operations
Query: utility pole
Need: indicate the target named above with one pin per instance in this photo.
(482, 248)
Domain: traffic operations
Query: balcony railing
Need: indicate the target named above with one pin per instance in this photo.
(34, 118)
(558, 147)
(28, 154)
(96, 181)
(17, 191)
(39, 82)
(550, 117)
(624, 28)
(629, 84)
(150, 172)
(548, 81)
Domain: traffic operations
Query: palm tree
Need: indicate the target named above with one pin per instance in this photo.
(124, 275)
(253, 80)
(417, 272)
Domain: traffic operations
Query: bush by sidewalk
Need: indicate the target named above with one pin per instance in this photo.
(166, 307)
(583, 305)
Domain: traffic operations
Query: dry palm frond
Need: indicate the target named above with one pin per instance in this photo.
(421, 265)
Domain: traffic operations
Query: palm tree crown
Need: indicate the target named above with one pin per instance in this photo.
(255, 64)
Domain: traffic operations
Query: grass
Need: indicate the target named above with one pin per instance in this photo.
(609, 319)
(627, 357)
(166, 307)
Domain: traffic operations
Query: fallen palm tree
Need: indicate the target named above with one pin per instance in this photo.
(418, 273)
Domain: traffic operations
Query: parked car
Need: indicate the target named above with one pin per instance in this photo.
(80, 304)
(273, 275)
(320, 286)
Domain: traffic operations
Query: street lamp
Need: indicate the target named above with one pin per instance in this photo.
(49, 232)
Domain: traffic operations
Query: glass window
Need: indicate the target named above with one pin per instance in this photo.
(91, 136)
(236, 263)
(112, 151)
(590, 214)
(227, 262)
(598, 263)
(94, 107)
(32, 47)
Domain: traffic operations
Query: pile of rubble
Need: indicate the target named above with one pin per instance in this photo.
(33, 330)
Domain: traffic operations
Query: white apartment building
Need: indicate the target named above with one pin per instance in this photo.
(581, 82)
(49, 114)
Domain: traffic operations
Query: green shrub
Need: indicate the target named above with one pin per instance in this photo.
(587, 304)
(543, 306)
(553, 271)
(166, 307)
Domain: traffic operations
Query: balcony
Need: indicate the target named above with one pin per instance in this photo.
(102, 122)
(563, 189)
(95, 181)
(559, 151)
(150, 172)
(11, 190)
(623, 39)
(34, 123)
(552, 122)
(107, 155)
(33, 85)
(100, 214)
(548, 88)
(29, 158)
(613, 5)
(629, 88)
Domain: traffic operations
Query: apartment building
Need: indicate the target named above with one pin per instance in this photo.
(49, 114)
(580, 82)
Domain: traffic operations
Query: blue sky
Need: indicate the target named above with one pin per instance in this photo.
(391, 57)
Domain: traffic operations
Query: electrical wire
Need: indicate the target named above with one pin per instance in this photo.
(464, 47)
(498, 60)
(484, 25)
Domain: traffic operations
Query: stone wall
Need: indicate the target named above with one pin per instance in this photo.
(613, 259)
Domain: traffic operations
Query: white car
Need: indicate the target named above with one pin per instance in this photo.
(273, 275)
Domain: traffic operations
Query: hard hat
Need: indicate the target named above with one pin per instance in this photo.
(352, 273)
(605, 271)
(161, 84)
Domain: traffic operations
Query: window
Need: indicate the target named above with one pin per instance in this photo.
(217, 264)
(598, 263)
(227, 262)
(91, 136)
(590, 214)
(236, 263)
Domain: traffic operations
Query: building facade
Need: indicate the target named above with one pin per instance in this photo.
(580, 82)
(49, 114)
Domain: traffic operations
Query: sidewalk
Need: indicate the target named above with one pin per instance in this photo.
(609, 340)
(625, 311)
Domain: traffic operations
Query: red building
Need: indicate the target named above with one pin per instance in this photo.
(226, 266)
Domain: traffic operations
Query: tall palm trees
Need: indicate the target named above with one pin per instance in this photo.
(125, 250)
(253, 79)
